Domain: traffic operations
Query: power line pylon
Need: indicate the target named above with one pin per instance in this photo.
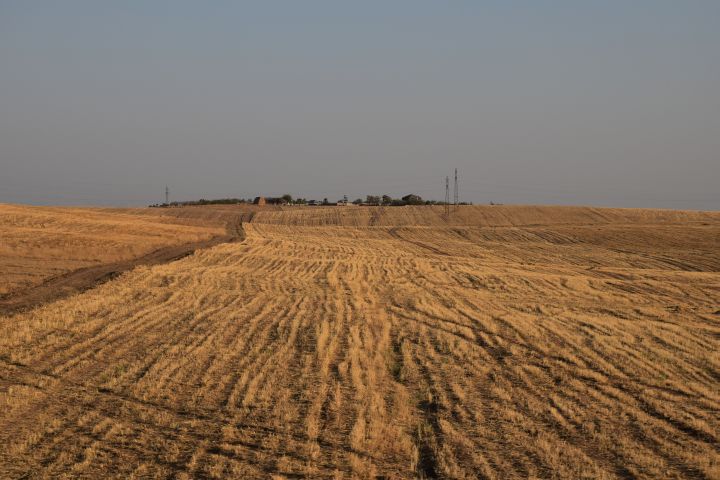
(447, 196)
(456, 192)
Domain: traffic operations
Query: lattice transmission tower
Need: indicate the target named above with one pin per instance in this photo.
(456, 192)
(447, 196)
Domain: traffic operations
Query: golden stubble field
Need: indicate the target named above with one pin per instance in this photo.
(37, 243)
(503, 342)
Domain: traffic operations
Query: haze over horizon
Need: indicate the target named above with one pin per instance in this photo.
(600, 103)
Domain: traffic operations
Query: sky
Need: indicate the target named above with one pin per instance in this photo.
(607, 102)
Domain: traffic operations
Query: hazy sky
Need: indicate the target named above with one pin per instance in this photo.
(557, 102)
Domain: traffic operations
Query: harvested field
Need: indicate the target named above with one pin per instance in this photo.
(85, 247)
(503, 342)
(43, 242)
(496, 216)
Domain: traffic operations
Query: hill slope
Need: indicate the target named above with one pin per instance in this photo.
(477, 215)
(583, 349)
(43, 242)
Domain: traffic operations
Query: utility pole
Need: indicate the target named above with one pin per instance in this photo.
(167, 195)
(457, 191)
(447, 196)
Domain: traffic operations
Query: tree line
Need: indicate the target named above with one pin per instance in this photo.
(376, 200)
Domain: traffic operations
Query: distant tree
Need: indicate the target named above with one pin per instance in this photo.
(300, 201)
(287, 197)
(325, 201)
(204, 201)
(372, 199)
(386, 200)
(357, 201)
